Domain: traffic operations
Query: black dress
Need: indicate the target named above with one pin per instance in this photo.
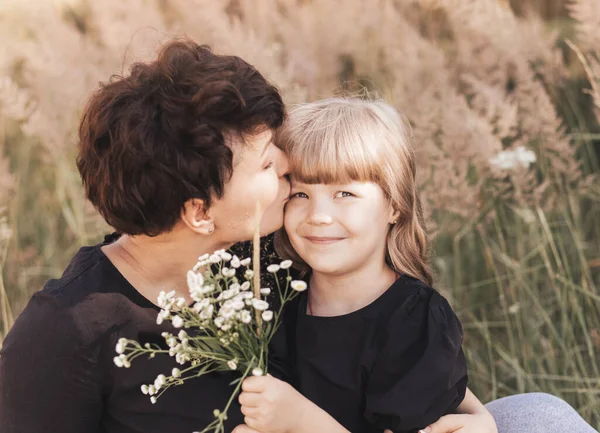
(396, 363)
(56, 364)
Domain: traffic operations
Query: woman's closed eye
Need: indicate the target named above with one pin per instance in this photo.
(269, 165)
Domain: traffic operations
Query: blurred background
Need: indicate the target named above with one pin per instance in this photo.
(504, 100)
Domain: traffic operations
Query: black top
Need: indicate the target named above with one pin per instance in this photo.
(396, 363)
(56, 364)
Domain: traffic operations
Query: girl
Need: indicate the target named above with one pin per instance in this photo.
(376, 347)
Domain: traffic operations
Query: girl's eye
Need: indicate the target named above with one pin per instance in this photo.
(345, 194)
(271, 164)
(298, 195)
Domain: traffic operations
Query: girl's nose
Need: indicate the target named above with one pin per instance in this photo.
(320, 218)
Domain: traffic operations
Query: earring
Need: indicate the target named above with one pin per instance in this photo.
(394, 222)
(210, 230)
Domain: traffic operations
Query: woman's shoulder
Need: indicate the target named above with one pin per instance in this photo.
(91, 296)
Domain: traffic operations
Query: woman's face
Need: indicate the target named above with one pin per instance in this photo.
(259, 176)
(337, 229)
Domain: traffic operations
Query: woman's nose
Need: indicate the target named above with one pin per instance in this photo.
(282, 163)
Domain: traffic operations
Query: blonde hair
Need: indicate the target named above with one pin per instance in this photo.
(340, 140)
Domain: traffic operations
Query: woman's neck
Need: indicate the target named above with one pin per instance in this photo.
(159, 263)
(339, 294)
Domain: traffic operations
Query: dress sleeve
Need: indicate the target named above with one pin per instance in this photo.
(420, 373)
(49, 377)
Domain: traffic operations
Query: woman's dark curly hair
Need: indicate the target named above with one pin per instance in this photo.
(150, 141)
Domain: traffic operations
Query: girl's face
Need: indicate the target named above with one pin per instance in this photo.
(337, 229)
(259, 176)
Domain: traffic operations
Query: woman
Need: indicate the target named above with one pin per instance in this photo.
(175, 156)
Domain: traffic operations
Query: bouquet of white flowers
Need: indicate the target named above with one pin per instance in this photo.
(229, 325)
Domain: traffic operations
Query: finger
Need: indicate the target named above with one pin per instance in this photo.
(255, 384)
(251, 422)
(250, 399)
(446, 424)
(243, 428)
(252, 412)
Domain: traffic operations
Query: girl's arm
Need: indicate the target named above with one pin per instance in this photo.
(273, 406)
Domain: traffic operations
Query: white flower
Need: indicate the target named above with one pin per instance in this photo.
(257, 372)
(238, 304)
(208, 289)
(203, 257)
(248, 274)
(145, 389)
(171, 341)
(207, 312)
(177, 322)
(245, 285)
(160, 381)
(194, 281)
(228, 272)
(121, 344)
(298, 285)
(245, 262)
(232, 364)
(285, 264)
(272, 268)
(265, 291)
(165, 300)
(235, 262)
(213, 258)
(227, 311)
(510, 159)
(229, 293)
(199, 306)
(259, 304)
(176, 372)
(164, 314)
(121, 361)
(245, 316)
(181, 302)
(151, 390)
(267, 315)
(153, 399)
(226, 256)
(182, 334)
(219, 321)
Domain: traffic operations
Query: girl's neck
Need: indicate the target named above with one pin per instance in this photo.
(338, 294)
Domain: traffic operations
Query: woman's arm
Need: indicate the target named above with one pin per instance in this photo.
(472, 417)
(471, 405)
(48, 373)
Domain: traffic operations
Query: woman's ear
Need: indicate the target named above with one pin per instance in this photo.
(195, 215)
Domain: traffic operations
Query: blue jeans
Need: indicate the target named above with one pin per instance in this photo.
(536, 413)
